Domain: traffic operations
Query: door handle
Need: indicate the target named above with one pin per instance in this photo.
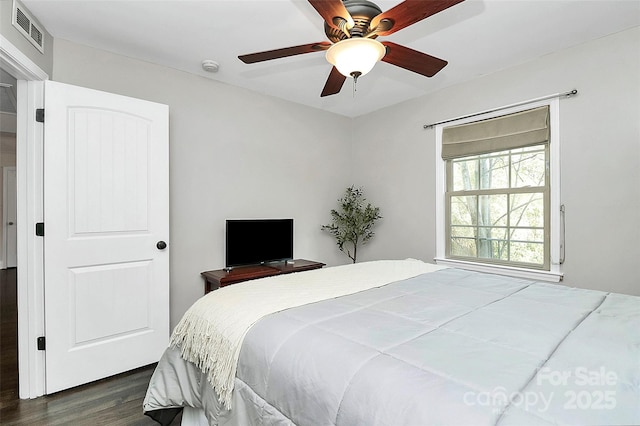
(161, 245)
(10, 223)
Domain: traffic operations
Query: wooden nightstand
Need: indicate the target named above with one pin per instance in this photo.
(221, 277)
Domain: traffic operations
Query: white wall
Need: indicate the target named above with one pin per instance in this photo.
(600, 157)
(233, 154)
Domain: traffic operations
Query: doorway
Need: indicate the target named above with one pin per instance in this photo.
(29, 209)
(8, 125)
(8, 260)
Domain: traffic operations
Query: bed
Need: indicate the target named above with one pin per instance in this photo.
(402, 342)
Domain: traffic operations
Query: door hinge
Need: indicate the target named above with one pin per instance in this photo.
(42, 343)
(40, 229)
(40, 115)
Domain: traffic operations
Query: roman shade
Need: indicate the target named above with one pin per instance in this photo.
(518, 130)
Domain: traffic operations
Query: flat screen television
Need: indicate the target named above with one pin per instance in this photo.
(257, 241)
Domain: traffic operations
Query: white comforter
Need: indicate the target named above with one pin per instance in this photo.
(210, 333)
(447, 347)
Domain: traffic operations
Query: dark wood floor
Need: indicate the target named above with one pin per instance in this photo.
(113, 401)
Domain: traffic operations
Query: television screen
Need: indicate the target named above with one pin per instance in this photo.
(255, 241)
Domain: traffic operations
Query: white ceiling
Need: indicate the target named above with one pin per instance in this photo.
(477, 37)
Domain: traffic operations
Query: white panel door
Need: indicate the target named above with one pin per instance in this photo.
(106, 214)
(10, 217)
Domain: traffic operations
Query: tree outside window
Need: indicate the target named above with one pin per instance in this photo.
(498, 207)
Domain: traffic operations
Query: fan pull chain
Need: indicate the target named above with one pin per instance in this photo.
(355, 76)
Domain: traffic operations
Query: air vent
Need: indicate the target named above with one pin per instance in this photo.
(27, 27)
(23, 21)
(36, 35)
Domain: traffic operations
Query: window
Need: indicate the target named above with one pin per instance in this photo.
(498, 206)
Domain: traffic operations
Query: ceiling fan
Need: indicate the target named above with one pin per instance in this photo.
(352, 26)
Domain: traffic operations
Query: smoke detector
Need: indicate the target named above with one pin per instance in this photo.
(210, 66)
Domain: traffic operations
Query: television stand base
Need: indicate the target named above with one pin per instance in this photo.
(227, 276)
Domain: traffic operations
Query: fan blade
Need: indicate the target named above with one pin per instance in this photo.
(284, 52)
(334, 83)
(412, 60)
(407, 13)
(331, 9)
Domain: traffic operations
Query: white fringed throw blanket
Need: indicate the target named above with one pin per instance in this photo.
(211, 332)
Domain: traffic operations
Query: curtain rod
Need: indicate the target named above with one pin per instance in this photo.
(556, 95)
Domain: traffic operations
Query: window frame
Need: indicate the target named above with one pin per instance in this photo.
(509, 191)
(554, 272)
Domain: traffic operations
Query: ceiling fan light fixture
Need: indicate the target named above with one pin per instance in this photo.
(355, 56)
